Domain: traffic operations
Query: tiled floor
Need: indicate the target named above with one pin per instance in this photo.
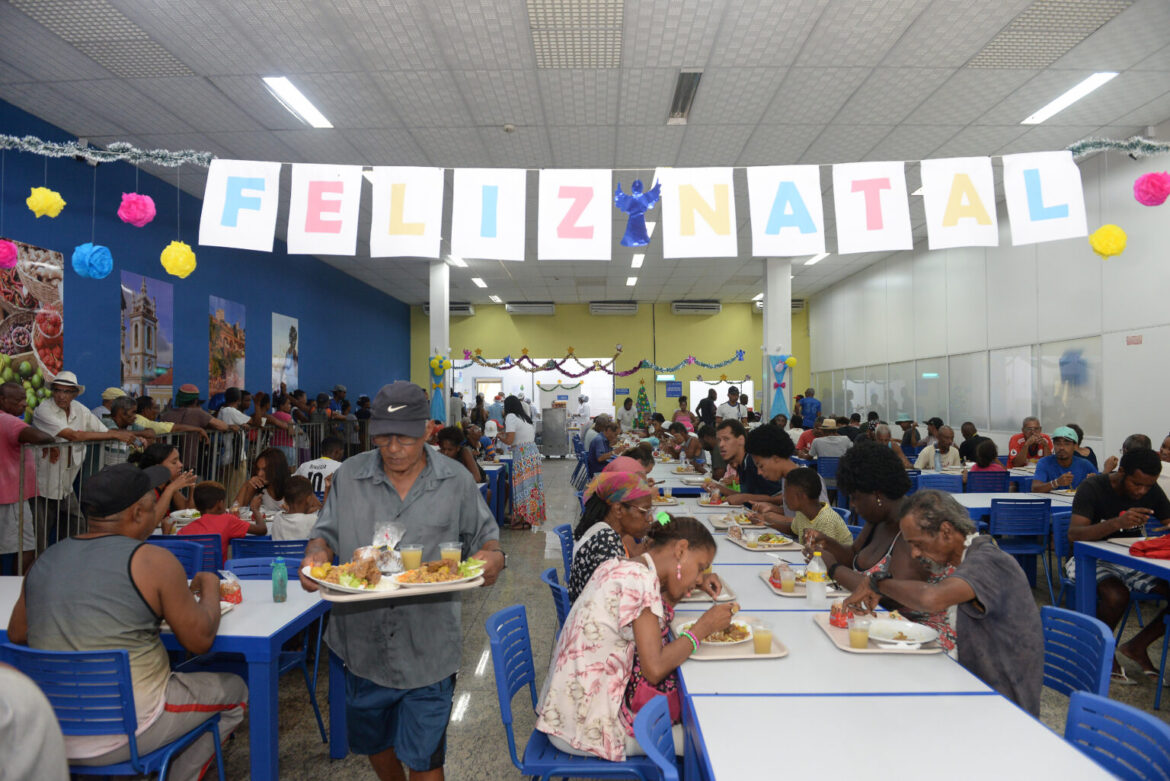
(476, 748)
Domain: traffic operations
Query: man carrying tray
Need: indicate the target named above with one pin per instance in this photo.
(401, 655)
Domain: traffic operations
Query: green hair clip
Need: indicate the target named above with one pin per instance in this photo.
(663, 517)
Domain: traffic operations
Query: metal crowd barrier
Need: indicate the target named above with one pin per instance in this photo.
(224, 456)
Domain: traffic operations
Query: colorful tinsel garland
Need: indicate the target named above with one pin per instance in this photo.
(528, 364)
(118, 150)
(1136, 146)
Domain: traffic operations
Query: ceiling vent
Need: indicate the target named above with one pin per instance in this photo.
(1045, 31)
(532, 308)
(684, 95)
(695, 307)
(579, 34)
(613, 307)
(455, 308)
(798, 305)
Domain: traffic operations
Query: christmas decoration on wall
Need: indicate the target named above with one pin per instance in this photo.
(1108, 241)
(439, 365)
(178, 259)
(1137, 147)
(642, 404)
(92, 261)
(526, 363)
(137, 210)
(119, 150)
(45, 202)
(636, 204)
(780, 365)
(1152, 189)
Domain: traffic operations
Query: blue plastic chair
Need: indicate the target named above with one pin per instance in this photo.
(988, 482)
(484, 488)
(1129, 743)
(189, 554)
(914, 475)
(511, 647)
(827, 468)
(1078, 651)
(1021, 527)
(565, 532)
(260, 568)
(854, 530)
(253, 547)
(952, 484)
(92, 694)
(652, 729)
(580, 476)
(845, 515)
(1062, 550)
(1003, 460)
(212, 548)
(560, 596)
(581, 500)
(910, 452)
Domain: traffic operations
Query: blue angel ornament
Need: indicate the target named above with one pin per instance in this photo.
(636, 204)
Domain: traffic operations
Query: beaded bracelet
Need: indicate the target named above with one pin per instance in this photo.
(689, 636)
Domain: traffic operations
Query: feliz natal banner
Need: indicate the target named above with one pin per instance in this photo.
(1044, 197)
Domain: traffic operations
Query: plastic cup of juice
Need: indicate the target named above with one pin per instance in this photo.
(751, 539)
(452, 551)
(411, 556)
(762, 637)
(667, 491)
(859, 632)
(788, 580)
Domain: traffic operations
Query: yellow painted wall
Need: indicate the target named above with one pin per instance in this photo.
(654, 334)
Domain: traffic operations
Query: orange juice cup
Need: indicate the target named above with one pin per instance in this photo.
(411, 556)
(859, 632)
(452, 551)
(762, 638)
(667, 491)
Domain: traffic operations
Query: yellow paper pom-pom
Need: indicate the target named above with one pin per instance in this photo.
(44, 201)
(791, 361)
(1107, 241)
(178, 259)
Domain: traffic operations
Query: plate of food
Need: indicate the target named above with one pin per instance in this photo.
(665, 501)
(900, 633)
(737, 633)
(685, 469)
(733, 519)
(185, 515)
(354, 577)
(444, 572)
(709, 503)
(694, 481)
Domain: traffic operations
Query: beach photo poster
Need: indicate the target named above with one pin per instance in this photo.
(286, 359)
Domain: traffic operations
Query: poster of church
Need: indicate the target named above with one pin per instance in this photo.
(148, 337)
(226, 342)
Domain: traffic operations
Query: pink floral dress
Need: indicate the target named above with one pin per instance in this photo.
(594, 658)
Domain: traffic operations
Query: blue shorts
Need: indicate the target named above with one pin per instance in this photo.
(413, 722)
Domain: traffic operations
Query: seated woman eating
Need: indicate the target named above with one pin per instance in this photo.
(453, 445)
(876, 483)
(264, 491)
(170, 496)
(590, 696)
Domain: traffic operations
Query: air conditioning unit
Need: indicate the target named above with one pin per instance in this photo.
(613, 307)
(798, 305)
(532, 308)
(759, 305)
(455, 309)
(695, 307)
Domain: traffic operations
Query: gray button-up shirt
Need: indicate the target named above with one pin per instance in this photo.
(410, 642)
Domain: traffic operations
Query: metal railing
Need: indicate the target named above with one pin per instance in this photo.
(62, 470)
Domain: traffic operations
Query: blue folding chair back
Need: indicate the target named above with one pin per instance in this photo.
(854, 530)
(652, 729)
(565, 533)
(581, 500)
(560, 596)
(952, 484)
(92, 694)
(1062, 549)
(511, 647)
(1078, 651)
(827, 469)
(914, 475)
(988, 482)
(252, 547)
(189, 554)
(212, 548)
(256, 568)
(1129, 743)
(1021, 528)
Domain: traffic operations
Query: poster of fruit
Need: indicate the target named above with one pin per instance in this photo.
(31, 327)
(148, 336)
(286, 359)
(226, 369)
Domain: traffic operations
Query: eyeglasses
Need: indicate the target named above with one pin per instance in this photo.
(636, 508)
(392, 439)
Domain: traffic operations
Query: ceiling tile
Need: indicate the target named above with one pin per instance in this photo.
(912, 142)
(646, 94)
(713, 144)
(979, 140)
(889, 94)
(524, 147)
(321, 146)
(580, 97)
(424, 98)
(858, 33)
(387, 147)
(734, 95)
(844, 143)
(23, 41)
(1046, 137)
(42, 100)
(256, 146)
(583, 147)
(778, 144)
(1127, 39)
(482, 34)
(198, 102)
(648, 146)
(502, 97)
(348, 100)
(761, 32)
(669, 33)
(451, 147)
(1126, 93)
(810, 96)
(953, 31)
(967, 94)
(117, 98)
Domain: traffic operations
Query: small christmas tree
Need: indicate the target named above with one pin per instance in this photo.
(643, 407)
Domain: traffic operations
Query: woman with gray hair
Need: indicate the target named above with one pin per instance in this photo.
(1000, 638)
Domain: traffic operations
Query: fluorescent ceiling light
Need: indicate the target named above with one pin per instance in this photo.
(930, 375)
(637, 261)
(455, 260)
(495, 299)
(631, 281)
(758, 297)
(685, 88)
(665, 378)
(478, 282)
(816, 259)
(297, 104)
(1070, 97)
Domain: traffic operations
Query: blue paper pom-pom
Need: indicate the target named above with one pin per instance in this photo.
(93, 261)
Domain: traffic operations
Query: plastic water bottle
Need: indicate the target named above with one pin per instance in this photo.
(816, 582)
(279, 580)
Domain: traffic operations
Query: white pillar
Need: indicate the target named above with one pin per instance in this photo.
(440, 301)
(777, 325)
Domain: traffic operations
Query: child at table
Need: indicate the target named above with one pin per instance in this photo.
(299, 515)
(210, 498)
(986, 459)
(586, 707)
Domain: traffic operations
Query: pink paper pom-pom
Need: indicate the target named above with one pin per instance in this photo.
(136, 209)
(1152, 189)
(8, 254)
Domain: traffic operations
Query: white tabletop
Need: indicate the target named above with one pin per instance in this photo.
(729, 553)
(256, 616)
(924, 738)
(815, 666)
(983, 501)
(750, 591)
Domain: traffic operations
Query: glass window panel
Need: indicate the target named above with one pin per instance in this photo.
(875, 392)
(968, 397)
(930, 389)
(854, 392)
(900, 390)
(1010, 387)
(1070, 384)
(838, 392)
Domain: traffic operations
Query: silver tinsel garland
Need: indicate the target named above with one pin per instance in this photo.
(119, 150)
(1136, 147)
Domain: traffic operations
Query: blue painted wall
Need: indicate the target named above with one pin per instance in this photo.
(349, 332)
